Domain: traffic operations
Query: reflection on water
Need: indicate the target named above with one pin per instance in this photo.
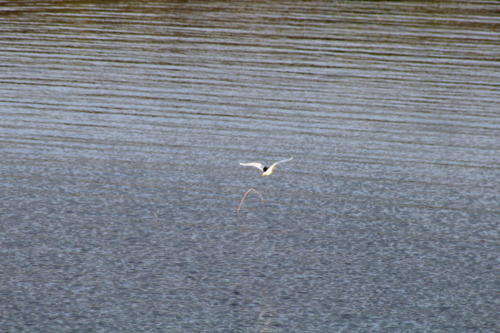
(123, 123)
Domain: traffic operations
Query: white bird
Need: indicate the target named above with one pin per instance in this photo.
(266, 171)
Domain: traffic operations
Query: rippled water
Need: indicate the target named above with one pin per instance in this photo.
(122, 124)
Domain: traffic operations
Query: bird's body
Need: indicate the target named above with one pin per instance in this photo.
(266, 170)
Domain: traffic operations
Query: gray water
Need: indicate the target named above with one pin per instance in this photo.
(122, 125)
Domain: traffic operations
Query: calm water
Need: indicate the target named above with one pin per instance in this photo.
(122, 124)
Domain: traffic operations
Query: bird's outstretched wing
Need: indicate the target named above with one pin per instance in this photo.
(254, 164)
(276, 163)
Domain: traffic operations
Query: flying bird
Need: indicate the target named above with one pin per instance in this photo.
(266, 171)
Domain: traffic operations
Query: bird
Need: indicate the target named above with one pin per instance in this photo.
(266, 171)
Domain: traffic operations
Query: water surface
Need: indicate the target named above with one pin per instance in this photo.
(122, 124)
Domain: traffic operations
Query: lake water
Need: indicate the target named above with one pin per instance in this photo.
(122, 125)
